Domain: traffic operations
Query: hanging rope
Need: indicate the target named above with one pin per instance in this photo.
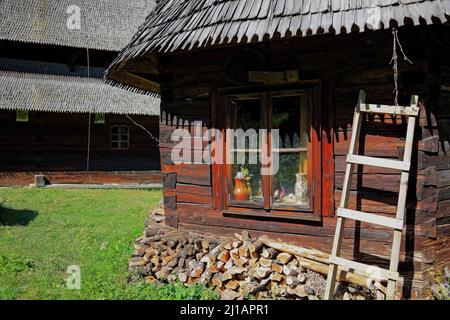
(88, 158)
(143, 128)
(394, 61)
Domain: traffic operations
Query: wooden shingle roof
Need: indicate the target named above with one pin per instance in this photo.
(105, 24)
(186, 24)
(41, 92)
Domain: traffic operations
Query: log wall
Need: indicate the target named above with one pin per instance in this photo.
(56, 143)
(344, 64)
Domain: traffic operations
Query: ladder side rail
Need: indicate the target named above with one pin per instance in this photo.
(340, 223)
(401, 206)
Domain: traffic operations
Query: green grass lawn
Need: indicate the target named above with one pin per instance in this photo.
(44, 231)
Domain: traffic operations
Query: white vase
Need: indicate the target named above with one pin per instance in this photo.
(301, 189)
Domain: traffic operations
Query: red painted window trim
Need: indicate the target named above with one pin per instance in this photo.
(322, 126)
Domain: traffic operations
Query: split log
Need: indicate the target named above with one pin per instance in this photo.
(155, 261)
(224, 256)
(165, 260)
(265, 262)
(298, 291)
(164, 273)
(197, 270)
(277, 277)
(342, 275)
(232, 285)
(250, 287)
(228, 294)
(234, 254)
(262, 295)
(150, 279)
(261, 273)
(235, 270)
(181, 262)
(135, 262)
(277, 267)
(226, 276)
(151, 252)
(172, 243)
(228, 265)
(243, 251)
(255, 248)
(138, 251)
(284, 257)
(229, 245)
(205, 244)
(216, 267)
(151, 232)
(217, 280)
(191, 281)
(311, 254)
(205, 277)
(241, 262)
(237, 244)
(269, 253)
(172, 278)
(148, 240)
(253, 261)
(173, 262)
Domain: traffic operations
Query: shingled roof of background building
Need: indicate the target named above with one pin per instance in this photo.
(186, 24)
(105, 24)
(41, 92)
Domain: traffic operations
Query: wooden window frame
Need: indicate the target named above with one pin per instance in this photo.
(119, 134)
(219, 171)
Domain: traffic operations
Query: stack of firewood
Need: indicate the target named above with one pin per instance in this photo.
(238, 268)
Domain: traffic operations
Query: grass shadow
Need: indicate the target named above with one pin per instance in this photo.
(14, 217)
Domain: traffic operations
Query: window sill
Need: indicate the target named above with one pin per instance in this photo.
(275, 216)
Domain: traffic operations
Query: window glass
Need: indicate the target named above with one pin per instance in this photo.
(246, 181)
(120, 138)
(22, 116)
(290, 117)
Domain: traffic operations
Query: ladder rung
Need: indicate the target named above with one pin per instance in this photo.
(371, 218)
(376, 272)
(385, 109)
(379, 162)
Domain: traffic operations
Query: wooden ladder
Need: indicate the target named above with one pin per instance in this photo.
(343, 213)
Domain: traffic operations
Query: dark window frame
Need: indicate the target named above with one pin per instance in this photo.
(119, 140)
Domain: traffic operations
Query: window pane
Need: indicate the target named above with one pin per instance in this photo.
(114, 145)
(290, 117)
(246, 181)
(115, 130)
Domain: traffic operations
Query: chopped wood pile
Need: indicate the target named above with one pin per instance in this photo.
(441, 288)
(241, 267)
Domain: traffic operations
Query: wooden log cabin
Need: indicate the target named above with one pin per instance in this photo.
(298, 66)
(57, 117)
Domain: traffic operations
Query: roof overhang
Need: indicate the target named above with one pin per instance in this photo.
(94, 24)
(41, 92)
(177, 26)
